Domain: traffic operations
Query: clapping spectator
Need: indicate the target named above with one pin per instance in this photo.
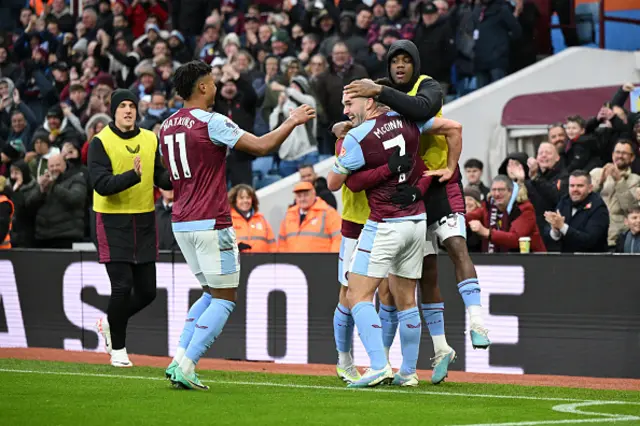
(581, 220)
(59, 198)
(617, 186)
(22, 233)
(507, 216)
(473, 169)
(301, 146)
(253, 232)
(629, 241)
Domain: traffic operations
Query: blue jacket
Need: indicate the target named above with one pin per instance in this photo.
(588, 227)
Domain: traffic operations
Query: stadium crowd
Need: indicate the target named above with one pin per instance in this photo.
(57, 73)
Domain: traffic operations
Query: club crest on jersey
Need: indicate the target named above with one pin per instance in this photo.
(452, 221)
(343, 152)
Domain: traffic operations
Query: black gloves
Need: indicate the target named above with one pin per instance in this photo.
(406, 195)
(399, 164)
(243, 246)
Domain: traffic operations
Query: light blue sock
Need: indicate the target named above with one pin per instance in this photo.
(410, 333)
(343, 328)
(433, 314)
(389, 320)
(195, 312)
(370, 331)
(470, 291)
(208, 328)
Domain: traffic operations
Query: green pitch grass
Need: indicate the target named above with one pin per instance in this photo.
(50, 393)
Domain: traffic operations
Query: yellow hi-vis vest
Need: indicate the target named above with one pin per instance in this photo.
(433, 148)
(121, 152)
(355, 206)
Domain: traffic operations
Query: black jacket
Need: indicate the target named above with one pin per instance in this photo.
(129, 238)
(166, 239)
(428, 100)
(437, 49)
(588, 227)
(581, 154)
(632, 243)
(496, 27)
(60, 211)
(323, 192)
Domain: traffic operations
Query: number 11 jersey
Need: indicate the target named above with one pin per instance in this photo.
(369, 146)
(194, 146)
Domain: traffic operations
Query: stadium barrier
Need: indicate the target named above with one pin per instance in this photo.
(548, 314)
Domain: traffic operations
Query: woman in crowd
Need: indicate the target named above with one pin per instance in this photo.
(253, 232)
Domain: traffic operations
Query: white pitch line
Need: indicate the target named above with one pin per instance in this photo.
(561, 422)
(332, 388)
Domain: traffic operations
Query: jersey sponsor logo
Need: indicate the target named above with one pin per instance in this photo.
(133, 150)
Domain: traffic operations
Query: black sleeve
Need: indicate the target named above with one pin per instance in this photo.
(581, 156)
(620, 98)
(103, 181)
(161, 174)
(5, 220)
(619, 242)
(422, 107)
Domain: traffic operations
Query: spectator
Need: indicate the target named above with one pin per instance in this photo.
(9, 103)
(393, 19)
(581, 219)
(317, 65)
(473, 172)
(22, 234)
(523, 51)
(6, 215)
(473, 201)
(629, 241)
(356, 44)
(495, 27)
(11, 153)
(364, 19)
(434, 38)
(63, 16)
(59, 198)
(617, 186)
(9, 69)
(44, 151)
(301, 146)
(60, 126)
(92, 128)
(507, 216)
(579, 148)
(164, 207)
(253, 232)
(311, 225)
(308, 174)
(310, 47)
(557, 137)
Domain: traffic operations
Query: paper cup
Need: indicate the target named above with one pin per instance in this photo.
(525, 244)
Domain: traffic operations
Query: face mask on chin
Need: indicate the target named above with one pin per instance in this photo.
(156, 112)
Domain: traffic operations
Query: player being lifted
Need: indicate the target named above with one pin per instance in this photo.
(410, 96)
(194, 146)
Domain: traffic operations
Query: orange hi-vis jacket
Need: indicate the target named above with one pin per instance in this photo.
(318, 233)
(255, 232)
(6, 243)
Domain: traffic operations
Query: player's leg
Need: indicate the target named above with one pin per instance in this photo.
(369, 265)
(343, 319)
(121, 277)
(186, 243)
(144, 287)
(405, 271)
(218, 256)
(388, 315)
(453, 234)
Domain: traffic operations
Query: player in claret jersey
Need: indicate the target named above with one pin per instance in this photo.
(194, 145)
(392, 240)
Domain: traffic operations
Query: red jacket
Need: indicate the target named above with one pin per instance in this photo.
(522, 223)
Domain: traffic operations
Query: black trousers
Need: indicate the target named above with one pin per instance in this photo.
(133, 287)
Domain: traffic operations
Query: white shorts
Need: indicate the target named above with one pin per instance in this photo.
(453, 225)
(347, 246)
(390, 248)
(212, 256)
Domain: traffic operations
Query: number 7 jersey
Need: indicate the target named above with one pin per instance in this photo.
(369, 146)
(194, 146)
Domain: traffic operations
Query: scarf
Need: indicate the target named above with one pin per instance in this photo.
(500, 220)
(343, 70)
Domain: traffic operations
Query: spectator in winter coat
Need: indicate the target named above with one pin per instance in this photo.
(617, 186)
(253, 232)
(629, 241)
(301, 146)
(59, 198)
(10, 101)
(61, 127)
(473, 172)
(392, 19)
(434, 38)
(43, 149)
(579, 149)
(22, 233)
(472, 201)
(506, 217)
(581, 220)
(7, 213)
(11, 152)
(164, 208)
(20, 131)
(495, 27)
(356, 44)
(308, 174)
